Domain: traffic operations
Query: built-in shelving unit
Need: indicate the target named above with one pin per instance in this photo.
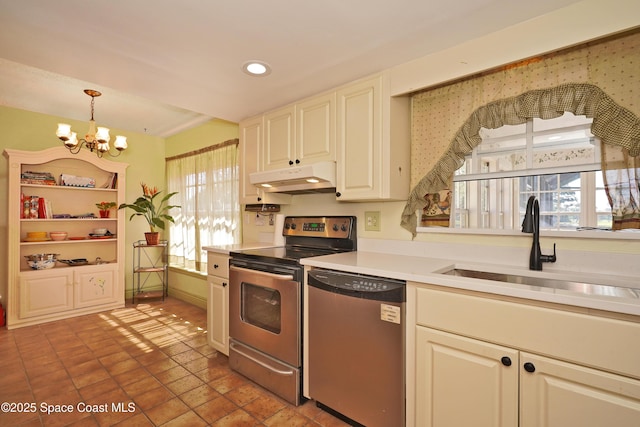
(66, 290)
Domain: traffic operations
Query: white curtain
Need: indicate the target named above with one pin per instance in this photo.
(207, 186)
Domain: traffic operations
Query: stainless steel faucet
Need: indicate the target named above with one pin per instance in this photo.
(531, 224)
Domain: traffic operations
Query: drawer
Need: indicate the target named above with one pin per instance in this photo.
(600, 342)
(218, 264)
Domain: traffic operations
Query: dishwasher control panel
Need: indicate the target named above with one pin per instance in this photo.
(370, 287)
(365, 285)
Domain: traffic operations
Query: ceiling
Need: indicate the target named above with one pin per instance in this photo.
(164, 66)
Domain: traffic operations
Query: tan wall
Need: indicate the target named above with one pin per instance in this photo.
(24, 130)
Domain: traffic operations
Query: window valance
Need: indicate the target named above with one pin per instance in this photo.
(613, 124)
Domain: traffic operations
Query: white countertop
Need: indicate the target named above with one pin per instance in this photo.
(428, 270)
(226, 249)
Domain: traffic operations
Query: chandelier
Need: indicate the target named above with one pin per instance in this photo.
(97, 141)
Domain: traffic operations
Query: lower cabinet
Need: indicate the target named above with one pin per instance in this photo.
(476, 364)
(218, 314)
(218, 302)
(44, 293)
(95, 287)
(464, 382)
(62, 290)
(555, 393)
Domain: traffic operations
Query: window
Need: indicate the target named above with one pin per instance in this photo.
(207, 185)
(514, 156)
(556, 160)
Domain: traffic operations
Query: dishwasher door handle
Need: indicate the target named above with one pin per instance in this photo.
(260, 362)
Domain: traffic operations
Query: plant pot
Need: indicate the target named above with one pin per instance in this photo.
(104, 213)
(152, 238)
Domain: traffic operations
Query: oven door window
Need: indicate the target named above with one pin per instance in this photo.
(261, 307)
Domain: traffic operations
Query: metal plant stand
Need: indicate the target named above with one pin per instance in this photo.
(150, 272)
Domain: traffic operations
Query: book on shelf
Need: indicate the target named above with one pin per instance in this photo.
(77, 181)
(112, 181)
(40, 178)
(35, 207)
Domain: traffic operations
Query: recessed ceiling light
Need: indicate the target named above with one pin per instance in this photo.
(256, 68)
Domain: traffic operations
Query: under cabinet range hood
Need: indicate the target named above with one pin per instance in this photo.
(311, 178)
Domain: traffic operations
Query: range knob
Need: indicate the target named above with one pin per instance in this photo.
(343, 227)
(335, 227)
(293, 225)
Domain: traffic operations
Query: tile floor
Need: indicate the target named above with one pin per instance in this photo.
(147, 364)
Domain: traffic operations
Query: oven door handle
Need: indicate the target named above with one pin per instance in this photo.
(260, 362)
(272, 275)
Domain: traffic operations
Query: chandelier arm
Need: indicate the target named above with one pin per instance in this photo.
(77, 148)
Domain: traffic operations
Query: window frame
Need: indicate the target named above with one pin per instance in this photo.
(507, 221)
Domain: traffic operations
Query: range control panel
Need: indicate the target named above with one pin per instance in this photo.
(335, 227)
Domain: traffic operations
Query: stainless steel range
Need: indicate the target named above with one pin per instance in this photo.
(265, 301)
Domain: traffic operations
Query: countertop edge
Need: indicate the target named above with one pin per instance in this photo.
(226, 249)
(428, 271)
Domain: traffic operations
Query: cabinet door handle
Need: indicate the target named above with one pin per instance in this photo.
(224, 284)
(297, 161)
(529, 367)
(338, 194)
(215, 265)
(506, 361)
(290, 162)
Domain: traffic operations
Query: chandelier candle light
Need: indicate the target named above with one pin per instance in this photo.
(97, 141)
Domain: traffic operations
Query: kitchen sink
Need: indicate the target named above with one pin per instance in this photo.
(580, 287)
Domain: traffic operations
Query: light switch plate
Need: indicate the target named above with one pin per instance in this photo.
(372, 221)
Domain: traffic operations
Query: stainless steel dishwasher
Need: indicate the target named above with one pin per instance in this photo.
(356, 346)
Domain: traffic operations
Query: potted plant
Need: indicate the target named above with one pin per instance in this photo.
(156, 215)
(105, 207)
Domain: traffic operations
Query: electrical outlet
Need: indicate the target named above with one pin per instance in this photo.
(372, 221)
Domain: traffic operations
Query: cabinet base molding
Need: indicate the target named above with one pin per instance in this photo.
(187, 297)
(21, 323)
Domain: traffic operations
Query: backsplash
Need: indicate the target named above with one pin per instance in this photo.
(625, 264)
(575, 254)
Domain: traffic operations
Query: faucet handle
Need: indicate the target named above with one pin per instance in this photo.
(549, 258)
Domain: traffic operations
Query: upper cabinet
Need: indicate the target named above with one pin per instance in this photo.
(279, 144)
(300, 133)
(373, 140)
(359, 126)
(251, 149)
(316, 129)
